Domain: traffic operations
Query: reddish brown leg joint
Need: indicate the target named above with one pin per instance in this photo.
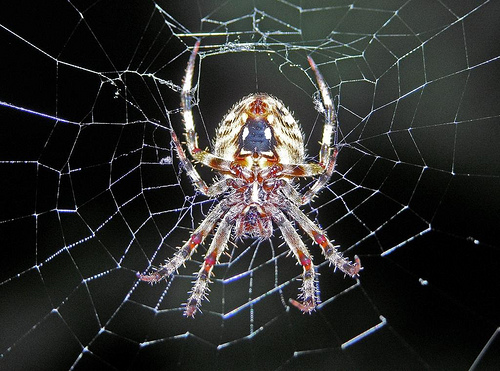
(320, 239)
(304, 260)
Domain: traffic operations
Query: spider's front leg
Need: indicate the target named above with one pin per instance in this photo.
(327, 157)
(195, 177)
(331, 124)
(205, 157)
(214, 190)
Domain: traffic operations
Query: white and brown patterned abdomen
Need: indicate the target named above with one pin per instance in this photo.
(270, 120)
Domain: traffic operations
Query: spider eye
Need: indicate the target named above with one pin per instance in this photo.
(257, 136)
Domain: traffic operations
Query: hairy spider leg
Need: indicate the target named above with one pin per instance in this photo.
(331, 124)
(198, 154)
(308, 293)
(330, 129)
(322, 179)
(329, 250)
(214, 190)
(217, 247)
(185, 251)
(196, 179)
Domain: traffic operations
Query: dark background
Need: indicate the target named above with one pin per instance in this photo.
(88, 94)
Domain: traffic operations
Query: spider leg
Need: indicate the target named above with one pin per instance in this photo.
(214, 190)
(186, 99)
(331, 124)
(322, 179)
(196, 179)
(217, 247)
(327, 157)
(198, 154)
(308, 295)
(301, 170)
(329, 250)
(185, 251)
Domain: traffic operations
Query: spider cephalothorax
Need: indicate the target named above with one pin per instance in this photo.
(259, 151)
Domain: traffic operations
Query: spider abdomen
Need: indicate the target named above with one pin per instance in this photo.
(257, 137)
(261, 125)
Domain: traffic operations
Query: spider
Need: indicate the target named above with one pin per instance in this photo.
(258, 151)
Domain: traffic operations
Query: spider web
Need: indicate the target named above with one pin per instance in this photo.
(91, 191)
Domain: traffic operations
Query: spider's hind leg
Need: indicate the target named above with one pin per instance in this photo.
(329, 250)
(200, 288)
(185, 251)
(308, 291)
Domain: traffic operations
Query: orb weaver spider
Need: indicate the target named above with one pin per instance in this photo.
(258, 152)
